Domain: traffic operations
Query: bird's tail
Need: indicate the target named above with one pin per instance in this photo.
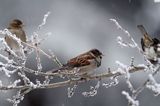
(143, 31)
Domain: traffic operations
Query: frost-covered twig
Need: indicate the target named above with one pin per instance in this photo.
(131, 101)
(44, 53)
(114, 82)
(55, 59)
(76, 81)
(44, 20)
(71, 91)
(93, 90)
(150, 66)
(153, 85)
(131, 44)
(140, 89)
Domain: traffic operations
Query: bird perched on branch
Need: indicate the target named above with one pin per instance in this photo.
(150, 46)
(15, 27)
(82, 64)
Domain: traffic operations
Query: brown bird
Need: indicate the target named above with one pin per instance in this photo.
(83, 63)
(150, 46)
(15, 27)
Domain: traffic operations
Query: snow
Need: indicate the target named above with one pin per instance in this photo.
(131, 101)
(153, 85)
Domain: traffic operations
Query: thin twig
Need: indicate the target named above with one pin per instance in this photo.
(72, 82)
(139, 89)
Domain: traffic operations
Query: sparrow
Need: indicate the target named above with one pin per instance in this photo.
(82, 64)
(15, 27)
(150, 46)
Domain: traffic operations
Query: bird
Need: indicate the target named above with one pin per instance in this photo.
(82, 64)
(15, 27)
(150, 46)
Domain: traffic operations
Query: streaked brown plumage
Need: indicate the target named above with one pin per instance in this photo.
(85, 62)
(150, 46)
(147, 40)
(84, 58)
(15, 27)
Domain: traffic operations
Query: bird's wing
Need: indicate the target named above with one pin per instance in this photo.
(142, 44)
(81, 60)
(10, 41)
(146, 40)
(19, 33)
(23, 36)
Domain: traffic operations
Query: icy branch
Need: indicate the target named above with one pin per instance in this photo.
(72, 82)
(153, 85)
(71, 91)
(131, 44)
(44, 20)
(131, 100)
(93, 91)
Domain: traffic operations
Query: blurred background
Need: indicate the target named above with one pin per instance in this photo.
(76, 27)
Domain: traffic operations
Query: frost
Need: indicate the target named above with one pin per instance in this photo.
(38, 83)
(5, 71)
(44, 20)
(39, 65)
(16, 99)
(55, 59)
(14, 83)
(153, 85)
(6, 58)
(93, 91)
(24, 78)
(134, 44)
(125, 69)
(142, 65)
(15, 63)
(13, 36)
(121, 65)
(114, 82)
(121, 42)
(37, 41)
(71, 91)
(46, 81)
(131, 101)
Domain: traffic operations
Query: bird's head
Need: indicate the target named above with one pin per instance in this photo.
(16, 23)
(98, 56)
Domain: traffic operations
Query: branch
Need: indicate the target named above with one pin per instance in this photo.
(72, 82)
